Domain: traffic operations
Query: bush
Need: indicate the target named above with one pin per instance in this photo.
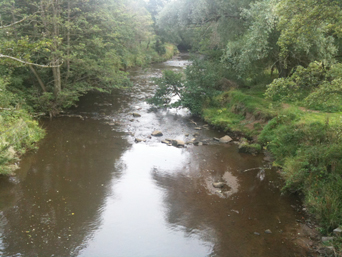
(18, 131)
(315, 87)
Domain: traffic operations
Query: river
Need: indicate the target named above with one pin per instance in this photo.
(91, 190)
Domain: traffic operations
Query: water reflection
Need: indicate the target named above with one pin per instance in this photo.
(228, 224)
(58, 205)
(137, 213)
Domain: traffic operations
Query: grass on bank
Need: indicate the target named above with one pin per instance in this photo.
(306, 144)
(18, 131)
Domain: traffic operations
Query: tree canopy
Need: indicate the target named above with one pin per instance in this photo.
(254, 37)
(70, 47)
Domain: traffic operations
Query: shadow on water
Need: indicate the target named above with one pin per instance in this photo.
(90, 190)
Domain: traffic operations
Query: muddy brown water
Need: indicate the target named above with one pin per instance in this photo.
(90, 190)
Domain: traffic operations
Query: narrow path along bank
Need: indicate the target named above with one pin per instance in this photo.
(93, 190)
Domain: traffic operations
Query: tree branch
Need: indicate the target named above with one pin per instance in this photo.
(12, 24)
(29, 63)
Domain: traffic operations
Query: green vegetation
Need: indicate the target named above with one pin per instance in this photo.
(52, 52)
(18, 131)
(277, 80)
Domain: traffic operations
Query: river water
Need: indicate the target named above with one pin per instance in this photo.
(90, 190)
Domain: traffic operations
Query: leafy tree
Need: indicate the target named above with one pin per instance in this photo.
(193, 91)
(82, 45)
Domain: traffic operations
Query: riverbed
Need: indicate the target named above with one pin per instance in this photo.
(92, 190)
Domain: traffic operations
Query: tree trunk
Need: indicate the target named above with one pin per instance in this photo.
(68, 44)
(283, 72)
(38, 78)
(56, 70)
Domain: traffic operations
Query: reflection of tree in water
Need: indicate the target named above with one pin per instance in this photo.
(227, 224)
(60, 200)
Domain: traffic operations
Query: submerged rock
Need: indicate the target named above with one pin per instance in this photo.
(225, 139)
(157, 133)
(268, 231)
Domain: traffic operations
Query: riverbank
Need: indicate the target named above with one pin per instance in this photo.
(305, 144)
(19, 132)
(19, 128)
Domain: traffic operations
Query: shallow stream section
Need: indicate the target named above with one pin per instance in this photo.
(91, 190)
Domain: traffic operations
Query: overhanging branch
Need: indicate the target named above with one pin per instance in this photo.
(12, 24)
(29, 63)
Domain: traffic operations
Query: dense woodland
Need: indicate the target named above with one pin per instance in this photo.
(268, 68)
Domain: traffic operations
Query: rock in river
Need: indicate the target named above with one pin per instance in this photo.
(225, 139)
(157, 133)
(136, 115)
(178, 143)
(138, 140)
(218, 184)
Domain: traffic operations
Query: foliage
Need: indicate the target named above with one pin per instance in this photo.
(311, 155)
(310, 26)
(315, 87)
(256, 48)
(198, 87)
(203, 25)
(74, 47)
(18, 131)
